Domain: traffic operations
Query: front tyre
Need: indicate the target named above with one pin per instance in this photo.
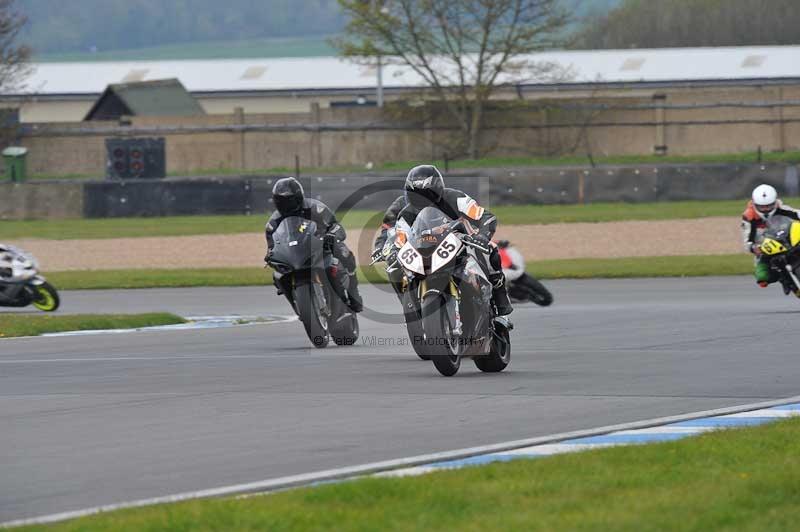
(345, 332)
(440, 343)
(315, 324)
(45, 297)
(500, 354)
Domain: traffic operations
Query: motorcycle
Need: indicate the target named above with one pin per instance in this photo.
(21, 284)
(781, 245)
(301, 263)
(399, 282)
(521, 285)
(450, 294)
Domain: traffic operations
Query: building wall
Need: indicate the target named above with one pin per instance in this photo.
(597, 123)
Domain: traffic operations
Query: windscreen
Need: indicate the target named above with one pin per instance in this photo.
(429, 229)
(293, 229)
(778, 228)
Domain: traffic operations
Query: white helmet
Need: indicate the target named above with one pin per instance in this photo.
(765, 200)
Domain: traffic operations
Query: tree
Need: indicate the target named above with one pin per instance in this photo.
(13, 57)
(672, 23)
(463, 49)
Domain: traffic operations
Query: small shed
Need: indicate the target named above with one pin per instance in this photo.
(164, 97)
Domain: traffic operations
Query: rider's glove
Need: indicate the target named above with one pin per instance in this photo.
(329, 240)
(377, 255)
(755, 249)
(479, 241)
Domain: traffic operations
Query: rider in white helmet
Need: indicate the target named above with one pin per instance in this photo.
(763, 206)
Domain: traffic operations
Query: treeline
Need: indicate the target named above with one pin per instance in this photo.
(83, 25)
(673, 23)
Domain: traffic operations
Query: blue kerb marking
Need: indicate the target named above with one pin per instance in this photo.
(481, 460)
(629, 438)
(795, 406)
(724, 422)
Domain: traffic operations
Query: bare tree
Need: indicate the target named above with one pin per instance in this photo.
(463, 49)
(13, 57)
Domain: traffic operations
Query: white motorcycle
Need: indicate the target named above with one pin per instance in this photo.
(21, 284)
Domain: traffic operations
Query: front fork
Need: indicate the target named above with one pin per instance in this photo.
(452, 304)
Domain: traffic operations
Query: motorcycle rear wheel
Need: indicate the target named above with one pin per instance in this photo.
(315, 324)
(441, 346)
(537, 291)
(45, 297)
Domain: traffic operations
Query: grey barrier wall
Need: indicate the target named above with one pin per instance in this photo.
(514, 186)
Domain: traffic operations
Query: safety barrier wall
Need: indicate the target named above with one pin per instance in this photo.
(520, 186)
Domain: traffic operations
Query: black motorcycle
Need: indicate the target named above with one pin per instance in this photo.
(301, 263)
(451, 294)
(21, 284)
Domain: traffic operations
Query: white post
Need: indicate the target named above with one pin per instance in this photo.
(380, 82)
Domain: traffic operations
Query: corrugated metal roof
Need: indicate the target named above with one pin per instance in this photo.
(672, 64)
(148, 98)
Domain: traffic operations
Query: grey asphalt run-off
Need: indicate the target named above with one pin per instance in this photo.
(96, 420)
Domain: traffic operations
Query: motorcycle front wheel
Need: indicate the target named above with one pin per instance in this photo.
(499, 357)
(441, 345)
(315, 324)
(45, 297)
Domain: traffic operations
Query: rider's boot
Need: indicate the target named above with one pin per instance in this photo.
(354, 300)
(762, 274)
(500, 294)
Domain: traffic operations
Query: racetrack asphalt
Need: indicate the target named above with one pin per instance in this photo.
(94, 420)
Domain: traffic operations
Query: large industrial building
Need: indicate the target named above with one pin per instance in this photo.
(66, 92)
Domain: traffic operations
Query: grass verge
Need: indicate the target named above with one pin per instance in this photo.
(679, 266)
(743, 479)
(508, 215)
(402, 167)
(12, 325)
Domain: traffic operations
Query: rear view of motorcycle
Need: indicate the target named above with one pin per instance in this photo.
(451, 295)
(313, 284)
(21, 284)
(781, 247)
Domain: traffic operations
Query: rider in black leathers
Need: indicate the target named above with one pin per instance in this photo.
(424, 187)
(290, 200)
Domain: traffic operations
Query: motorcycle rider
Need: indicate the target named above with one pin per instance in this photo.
(424, 187)
(290, 200)
(760, 209)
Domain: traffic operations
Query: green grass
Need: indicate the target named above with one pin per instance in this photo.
(489, 162)
(738, 480)
(677, 266)
(507, 215)
(688, 266)
(311, 46)
(12, 325)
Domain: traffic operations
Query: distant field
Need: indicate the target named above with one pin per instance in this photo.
(210, 225)
(287, 47)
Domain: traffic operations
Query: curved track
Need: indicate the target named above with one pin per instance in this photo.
(96, 420)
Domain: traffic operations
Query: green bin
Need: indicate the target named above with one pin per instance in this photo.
(14, 159)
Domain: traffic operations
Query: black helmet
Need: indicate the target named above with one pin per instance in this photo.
(288, 196)
(424, 186)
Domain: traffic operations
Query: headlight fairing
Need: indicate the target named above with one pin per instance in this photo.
(446, 252)
(411, 259)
